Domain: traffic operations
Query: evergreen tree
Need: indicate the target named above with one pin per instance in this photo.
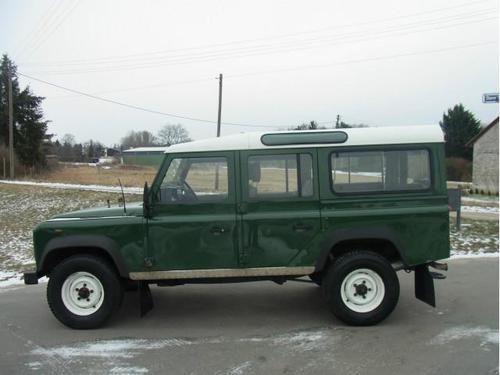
(30, 128)
(459, 126)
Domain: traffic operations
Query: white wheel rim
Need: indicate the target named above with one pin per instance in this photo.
(362, 290)
(82, 293)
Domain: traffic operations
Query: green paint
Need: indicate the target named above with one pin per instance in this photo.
(271, 229)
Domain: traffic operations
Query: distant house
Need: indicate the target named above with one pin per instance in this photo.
(485, 159)
(144, 156)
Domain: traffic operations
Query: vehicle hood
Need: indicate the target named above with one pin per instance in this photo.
(133, 209)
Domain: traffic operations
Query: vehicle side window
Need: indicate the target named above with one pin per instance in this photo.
(195, 179)
(280, 176)
(380, 171)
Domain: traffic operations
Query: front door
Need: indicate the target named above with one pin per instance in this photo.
(193, 219)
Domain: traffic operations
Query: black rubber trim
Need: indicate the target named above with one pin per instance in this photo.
(91, 241)
(340, 235)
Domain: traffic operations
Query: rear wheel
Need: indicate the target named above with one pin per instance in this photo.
(361, 288)
(84, 291)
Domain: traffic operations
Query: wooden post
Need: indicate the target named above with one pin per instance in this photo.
(11, 126)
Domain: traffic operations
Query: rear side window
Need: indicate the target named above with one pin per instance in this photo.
(280, 176)
(380, 171)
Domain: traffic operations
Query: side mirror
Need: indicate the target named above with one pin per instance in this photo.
(146, 201)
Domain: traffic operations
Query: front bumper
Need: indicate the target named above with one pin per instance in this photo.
(31, 278)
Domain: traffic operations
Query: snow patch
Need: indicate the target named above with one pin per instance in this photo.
(9, 279)
(239, 370)
(124, 351)
(116, 348)
(484, 334)
(468, 255)
(298, 341)
(129, 370)
(58, 185)
(480, 209)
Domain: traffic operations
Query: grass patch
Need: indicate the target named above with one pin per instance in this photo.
(23, 207)
(132, 176)
(474, 237)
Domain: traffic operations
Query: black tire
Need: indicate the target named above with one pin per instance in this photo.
(377, 284)
(75, 270)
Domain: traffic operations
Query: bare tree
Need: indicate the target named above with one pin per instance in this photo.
(68, 139)
(172, 134)
(139, 139)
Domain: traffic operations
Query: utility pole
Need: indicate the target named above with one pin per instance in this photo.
(220, 105)
(11, 125)
(337, 124)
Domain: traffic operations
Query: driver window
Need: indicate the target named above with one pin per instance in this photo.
(195, 179)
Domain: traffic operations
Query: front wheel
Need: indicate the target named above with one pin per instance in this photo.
(361, 288)
(84, 291)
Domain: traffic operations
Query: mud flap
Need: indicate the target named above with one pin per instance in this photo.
(424, 285)
(145, 299)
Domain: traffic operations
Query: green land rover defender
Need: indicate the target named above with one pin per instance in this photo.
(347, 208)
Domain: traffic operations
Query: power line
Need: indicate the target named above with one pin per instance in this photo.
(266, 49)
(63, 17)
(379, 58)
(142, 56)
(135, 88)
(355, 61)
(35, 32)
(140, 108)
(303, 67)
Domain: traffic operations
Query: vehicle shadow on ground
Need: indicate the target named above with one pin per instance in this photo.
(256, 304)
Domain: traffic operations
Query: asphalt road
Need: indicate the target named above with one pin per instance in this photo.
(262, 328)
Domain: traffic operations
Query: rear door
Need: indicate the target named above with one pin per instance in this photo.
(279, 208)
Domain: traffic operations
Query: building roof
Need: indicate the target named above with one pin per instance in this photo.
(355, 137)
(481, 133)
(146, 149)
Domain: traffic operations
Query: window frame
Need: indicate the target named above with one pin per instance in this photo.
(230, 160)
(382, 149)
(296, 152)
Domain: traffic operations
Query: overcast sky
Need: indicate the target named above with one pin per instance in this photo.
(392, 63)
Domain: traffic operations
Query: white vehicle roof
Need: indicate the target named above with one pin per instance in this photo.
(355, 137)
(143, 149)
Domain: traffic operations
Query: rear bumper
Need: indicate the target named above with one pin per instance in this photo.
(31, 278)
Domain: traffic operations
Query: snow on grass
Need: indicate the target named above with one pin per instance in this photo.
(59, 185)
(481, 209)
(474, 238)
(22, 208)
(480, 199)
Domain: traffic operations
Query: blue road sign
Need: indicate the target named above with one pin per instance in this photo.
(490, 98)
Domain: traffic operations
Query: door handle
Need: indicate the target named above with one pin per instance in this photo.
(217, 230)
(300, 227)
